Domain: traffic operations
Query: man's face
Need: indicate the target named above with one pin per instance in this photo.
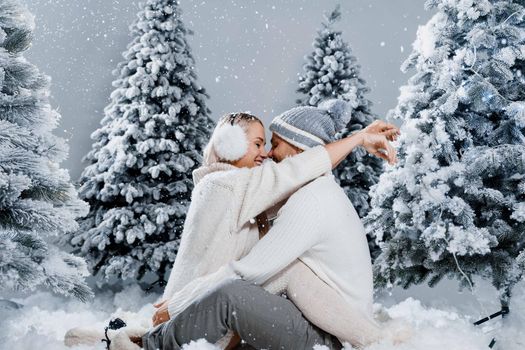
(282, 149)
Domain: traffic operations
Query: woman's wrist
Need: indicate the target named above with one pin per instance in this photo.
(359, 137)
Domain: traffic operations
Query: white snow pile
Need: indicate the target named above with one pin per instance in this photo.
(45, 318)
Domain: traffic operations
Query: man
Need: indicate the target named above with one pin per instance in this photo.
(316, 230)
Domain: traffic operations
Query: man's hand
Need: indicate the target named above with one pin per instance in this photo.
(161, 315)
(378, 145)
(390, 131)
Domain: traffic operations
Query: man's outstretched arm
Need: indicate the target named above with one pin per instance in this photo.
(295, 231)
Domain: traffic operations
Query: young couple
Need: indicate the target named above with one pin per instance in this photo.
(233, 266)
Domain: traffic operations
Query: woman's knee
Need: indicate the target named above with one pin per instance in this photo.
(229, 290)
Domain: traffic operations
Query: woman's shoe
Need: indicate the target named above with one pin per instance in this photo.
(114, 324)
(93, 336)
(83, 336)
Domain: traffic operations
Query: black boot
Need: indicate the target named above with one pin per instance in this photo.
(114, 324)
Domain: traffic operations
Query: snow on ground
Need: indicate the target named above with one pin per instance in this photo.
(44, 319)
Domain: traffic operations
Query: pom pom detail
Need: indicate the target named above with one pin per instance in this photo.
(339, 110)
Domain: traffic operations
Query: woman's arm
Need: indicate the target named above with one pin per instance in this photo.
(374, 139)
(273, 182)
(261, 187)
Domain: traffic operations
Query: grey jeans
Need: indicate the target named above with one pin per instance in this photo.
(263, 321)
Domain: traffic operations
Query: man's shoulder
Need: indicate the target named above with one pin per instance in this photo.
(312, 197)
(317, 188)
(323, 183)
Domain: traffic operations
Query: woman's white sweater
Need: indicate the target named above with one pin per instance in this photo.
(220, 224)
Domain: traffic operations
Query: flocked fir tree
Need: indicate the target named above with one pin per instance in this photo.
(332, 71)
(139, 180)
(38, 203)
(454, 205)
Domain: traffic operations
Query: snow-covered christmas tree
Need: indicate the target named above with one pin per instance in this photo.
(38, 203)
(139, 180)
(454, 205)
(332, 71)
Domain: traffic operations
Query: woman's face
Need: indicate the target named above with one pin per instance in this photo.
(256, 153)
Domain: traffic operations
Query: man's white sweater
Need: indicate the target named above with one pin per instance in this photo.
(319, 226)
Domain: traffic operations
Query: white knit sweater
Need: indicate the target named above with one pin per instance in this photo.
(219, 225)
(319, 226)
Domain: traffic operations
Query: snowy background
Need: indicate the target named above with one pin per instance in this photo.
(248, 56)
(248, 53)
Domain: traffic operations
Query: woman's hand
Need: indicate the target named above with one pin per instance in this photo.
(390, 131)
(378, 145)
(161, 315)
(374, 138)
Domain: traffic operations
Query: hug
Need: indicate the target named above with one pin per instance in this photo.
(273, 254)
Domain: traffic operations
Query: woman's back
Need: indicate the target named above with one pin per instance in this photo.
(210, 238)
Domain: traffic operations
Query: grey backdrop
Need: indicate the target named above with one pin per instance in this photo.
(248, 56)
(248, 53)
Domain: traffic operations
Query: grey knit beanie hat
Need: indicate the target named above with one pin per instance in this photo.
(307, 127)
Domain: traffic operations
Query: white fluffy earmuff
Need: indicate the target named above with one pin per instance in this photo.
(230, 142)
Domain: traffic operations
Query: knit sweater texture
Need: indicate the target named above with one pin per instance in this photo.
(319, 226)
(220, 225)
